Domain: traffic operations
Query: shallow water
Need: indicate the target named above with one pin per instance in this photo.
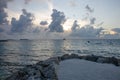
(15, 54)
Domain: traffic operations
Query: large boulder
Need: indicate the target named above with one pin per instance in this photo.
(65, 56)
(118, 62)
(43, 70)
(69, 56)
(47, 70)
(111, 60)
(91, 58)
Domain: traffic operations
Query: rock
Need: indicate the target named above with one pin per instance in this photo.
(43, 70)
(47, 70)
(101, 60)
(74, 56)
(91, 58)
(59, 58)
(81, 57)
(20, 75)
(49, 61)
(65, 56)
(35, 71)
(111, 60)
(118, 60)
(114, 61)
(50, 72)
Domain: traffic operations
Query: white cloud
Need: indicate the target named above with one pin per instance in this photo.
(116, 30)
(48, 2)
(12, 14)
(72, 3)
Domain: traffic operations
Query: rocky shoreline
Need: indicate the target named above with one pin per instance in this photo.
(46, 70)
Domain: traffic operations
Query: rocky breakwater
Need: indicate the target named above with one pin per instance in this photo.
(43, 70)
(46, 70)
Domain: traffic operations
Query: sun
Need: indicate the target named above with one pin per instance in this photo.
(68, 24)
(66, 28)
(113, 32)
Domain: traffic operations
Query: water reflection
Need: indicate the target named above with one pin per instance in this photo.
(58, 47)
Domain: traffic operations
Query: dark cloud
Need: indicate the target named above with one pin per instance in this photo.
(23, 22)
(43, 23)
(110, 36)
(36, 30)
(87, 31)
(75, 26)
(89, 9)
(58, 18)
(3, 14)
(116, 30)
(92, 20)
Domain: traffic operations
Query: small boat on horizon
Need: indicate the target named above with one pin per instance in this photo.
(64, 39)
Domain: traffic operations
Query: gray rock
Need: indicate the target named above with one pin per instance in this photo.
(47, 70)
(65, 56)
(74, 56)
(101, 60)
(20, 75)
(118, 60)
(49, 61)
(43, 70)
(111, 60)
(91, 58)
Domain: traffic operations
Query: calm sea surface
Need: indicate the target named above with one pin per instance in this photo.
(15, 54)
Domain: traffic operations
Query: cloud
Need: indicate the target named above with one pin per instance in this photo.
(116, 30)
(36, 30)
(27, 1)
(72, 3)
(87, 31)
(109, 34)
(5, 28)
(3, 14)
(92, 20)
(48, 2)
(23, 22)
(58, 18)
(1, 30)
(75, 26)
(43, 23)
(100, 24)
(89, 9)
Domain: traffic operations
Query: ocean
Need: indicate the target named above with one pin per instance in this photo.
(15, 54)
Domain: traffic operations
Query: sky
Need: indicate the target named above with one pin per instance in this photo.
(93, 13)
(105, 10)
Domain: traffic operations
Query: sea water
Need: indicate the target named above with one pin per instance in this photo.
(15, 54)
